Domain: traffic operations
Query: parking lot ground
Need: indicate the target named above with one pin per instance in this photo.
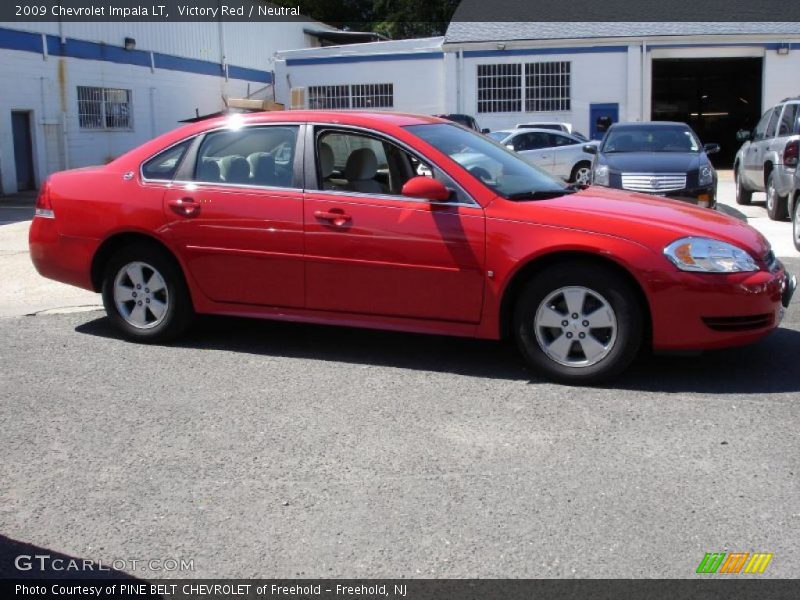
(283, 450)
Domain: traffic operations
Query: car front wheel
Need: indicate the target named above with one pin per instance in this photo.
(145, 294)
(577, 323)
(743, 195)
(796, 224)
(582, 174)
(776, 204)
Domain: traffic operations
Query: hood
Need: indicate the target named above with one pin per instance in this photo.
(651, 221)
(653, 162)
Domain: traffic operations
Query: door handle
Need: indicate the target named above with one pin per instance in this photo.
(335, 216)
(185, 207)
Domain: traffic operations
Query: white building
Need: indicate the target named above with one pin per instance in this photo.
(76, 94)
(716, 76)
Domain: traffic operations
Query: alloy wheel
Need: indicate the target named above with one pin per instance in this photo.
(140, 295)
(583, 176)
(575, 326)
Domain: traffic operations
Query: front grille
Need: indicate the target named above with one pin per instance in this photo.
(744, 323)
(654, 182)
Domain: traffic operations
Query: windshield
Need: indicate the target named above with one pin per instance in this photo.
(493, 165)
(498, 136)
(651, 139)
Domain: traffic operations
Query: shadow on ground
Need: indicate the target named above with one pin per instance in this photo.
(766, 367)
(21, 560)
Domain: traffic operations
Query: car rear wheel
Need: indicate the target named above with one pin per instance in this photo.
(577, 323)
(145, 294)
(796, 224)
(743, 195)
(581, 174)
(776, 204)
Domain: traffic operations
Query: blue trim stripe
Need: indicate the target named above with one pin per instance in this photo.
(533, 51)
(12, 39)
(329, 60)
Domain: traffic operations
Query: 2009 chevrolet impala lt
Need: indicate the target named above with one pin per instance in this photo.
(401, 222)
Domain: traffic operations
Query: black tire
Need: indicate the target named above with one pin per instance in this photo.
(743, 195)
(796, 223)
(614, 288)
(179, 312)
(776, 205)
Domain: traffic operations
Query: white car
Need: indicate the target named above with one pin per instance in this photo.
(560, 154)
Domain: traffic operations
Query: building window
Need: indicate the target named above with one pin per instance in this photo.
(329, 96)
(104, 108)
(372, 95)
(547, 86)
(362, 95)
(499, 88)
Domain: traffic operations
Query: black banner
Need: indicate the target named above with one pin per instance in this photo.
(778, 12)
(734, 588)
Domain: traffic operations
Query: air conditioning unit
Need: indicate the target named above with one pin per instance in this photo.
(298, 98)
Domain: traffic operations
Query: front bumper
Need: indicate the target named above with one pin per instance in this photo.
(702, 196)
(696, 311)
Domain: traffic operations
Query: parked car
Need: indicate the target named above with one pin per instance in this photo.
(658, 157)
(342, 231)
(560, 154)
(767, 160)
(552, 125)
(794, 208)
(467, 121)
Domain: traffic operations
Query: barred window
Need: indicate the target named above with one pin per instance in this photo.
(372, 95)
(547, 86)
(362, 95)
(104, 108)
(329, 96)
(499, 88)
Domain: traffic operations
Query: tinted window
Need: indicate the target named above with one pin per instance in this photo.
(533, 140)
(164, 165)
(492, 164)
(563, 140)
(258, 156)
(758, 133)
(773, 123)
(651, 139)
(788, 120)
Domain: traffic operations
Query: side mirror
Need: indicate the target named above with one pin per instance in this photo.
(510, 146)
(427, 188)
(744, 135)
(711, 148)
(484, 131)
(590, 148)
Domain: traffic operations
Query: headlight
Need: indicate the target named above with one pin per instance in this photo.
(600, 175)
(706, 176)
(708, 256)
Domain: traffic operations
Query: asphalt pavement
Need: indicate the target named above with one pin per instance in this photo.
(284, 450)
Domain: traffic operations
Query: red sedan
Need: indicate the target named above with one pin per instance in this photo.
(402, 222)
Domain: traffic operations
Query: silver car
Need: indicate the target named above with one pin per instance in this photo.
(794, 208)
(767, 161)
(560, 154)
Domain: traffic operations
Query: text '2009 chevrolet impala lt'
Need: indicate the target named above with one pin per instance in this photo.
(323, 217)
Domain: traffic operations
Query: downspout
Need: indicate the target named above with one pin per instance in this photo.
(460, 81)
(644, 88)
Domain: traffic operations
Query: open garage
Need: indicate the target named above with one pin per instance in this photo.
(716, 96)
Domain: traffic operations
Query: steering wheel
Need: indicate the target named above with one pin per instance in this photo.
(481, 173)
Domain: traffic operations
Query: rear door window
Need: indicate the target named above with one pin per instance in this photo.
(773, 123)
(788, 120)
(255, 156)
(758, 134)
